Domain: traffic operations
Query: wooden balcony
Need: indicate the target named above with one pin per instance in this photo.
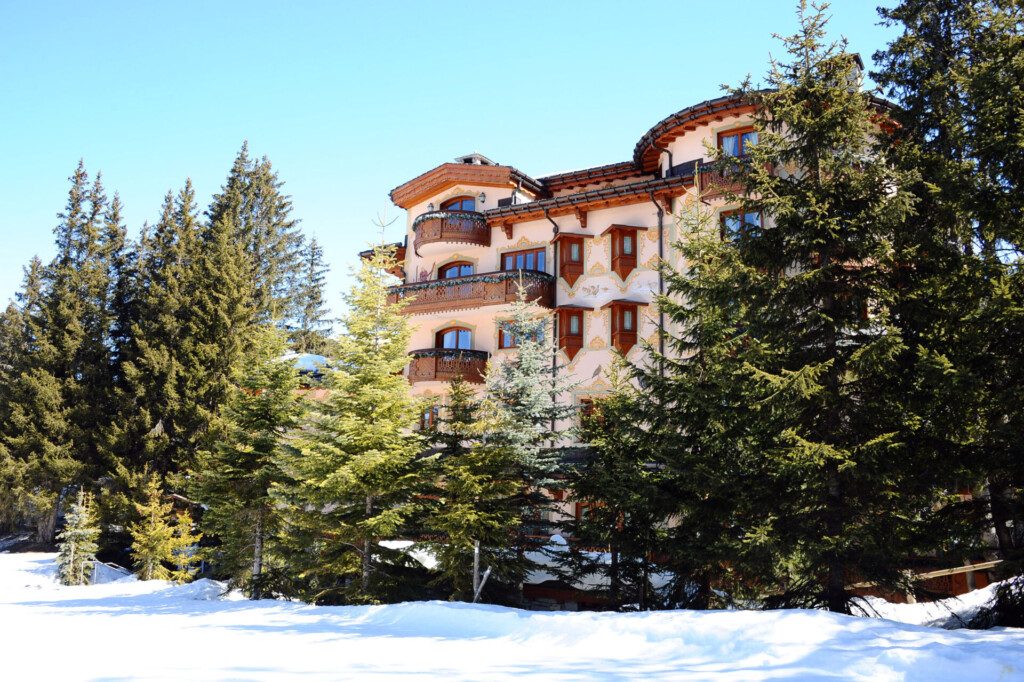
(436, 229)
(443, 364)
(474, 291)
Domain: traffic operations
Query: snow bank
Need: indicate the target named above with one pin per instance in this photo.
(951, 613)
(157, 631)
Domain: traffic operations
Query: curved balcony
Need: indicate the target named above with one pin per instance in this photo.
(474, 291)
(436, 229)
(444, 364)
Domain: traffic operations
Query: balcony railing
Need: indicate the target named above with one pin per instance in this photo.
(444, 364)
(716, 177)
(461, 227)
(473, 291)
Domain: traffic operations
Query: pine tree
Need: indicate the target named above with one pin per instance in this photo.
(311, 329)
(522, 418)
(353, 474)
(471, 511)
(154, 539)
(76, 543)
(234, 478)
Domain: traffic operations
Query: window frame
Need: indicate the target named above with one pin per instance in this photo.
(447, 204)
(441, 333)
(539, 254)
(442, 269)
(723, 216)
(738, 133)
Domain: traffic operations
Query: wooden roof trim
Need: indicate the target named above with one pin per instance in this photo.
(591, 176)
(595, 199)
(561, 235)
(624, 301)
(573, 306)
(448, 175)
(624, 227)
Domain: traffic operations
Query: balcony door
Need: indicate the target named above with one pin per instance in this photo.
(453, 270)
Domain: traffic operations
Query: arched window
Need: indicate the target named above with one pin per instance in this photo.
(459, 204)
(456, 269)
(455, 338)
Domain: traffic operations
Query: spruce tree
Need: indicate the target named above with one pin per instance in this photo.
(826, 418)
(471, 512)
(311, 329)
(955, 72)
(252, 201)
(38, 432)
(76, 543)
(234, 478)
(525, 407)
(617, 539)
(185, 552)
(153, 535)
(353, 473)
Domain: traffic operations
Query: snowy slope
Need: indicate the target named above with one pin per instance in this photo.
(153, 631)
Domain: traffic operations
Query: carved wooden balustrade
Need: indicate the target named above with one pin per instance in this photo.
(473, 291)
(463, 227)
(443, 364)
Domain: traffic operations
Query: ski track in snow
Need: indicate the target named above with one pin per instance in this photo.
(132, 630)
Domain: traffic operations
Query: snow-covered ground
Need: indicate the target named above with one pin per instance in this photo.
(151, 630)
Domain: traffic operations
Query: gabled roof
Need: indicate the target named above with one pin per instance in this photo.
(448, 175)
(589, 176)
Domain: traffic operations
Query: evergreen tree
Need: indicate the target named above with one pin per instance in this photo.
(185, 552)
(827, 420)
(471, 513)
(616, 540)
(523, 417)
(353, 473)
(251, 200)
(955, 71)
(76, 543)
(234, 478)
(154, 540)
(311, 329)
(37, 432)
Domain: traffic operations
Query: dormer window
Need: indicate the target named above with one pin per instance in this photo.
(457, 269)
(459, 204)
(737, 142)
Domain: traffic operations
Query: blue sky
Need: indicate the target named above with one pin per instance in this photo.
(349, 99)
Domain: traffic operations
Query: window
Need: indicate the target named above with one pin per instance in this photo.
(624, 248)
(459, 269)
(454, 338)
(459, 204)
(625, 323)
(570, 329)
(507, 339)
(532, 259)
(570, 255)
(428, 418)
(737, 224)
(737, 142)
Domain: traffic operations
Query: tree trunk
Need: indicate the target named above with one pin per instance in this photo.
(1000, 517)
(46, 524)
(365, 584)
(257, 559)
